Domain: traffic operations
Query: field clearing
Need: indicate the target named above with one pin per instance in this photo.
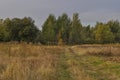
(37, 62)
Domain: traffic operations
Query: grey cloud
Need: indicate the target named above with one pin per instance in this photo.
(90, 10)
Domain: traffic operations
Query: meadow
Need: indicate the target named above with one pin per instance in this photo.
(80, 62)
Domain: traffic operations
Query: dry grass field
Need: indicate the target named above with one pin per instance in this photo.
(80, 62)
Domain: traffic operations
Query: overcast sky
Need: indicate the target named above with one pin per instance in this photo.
(89, 11)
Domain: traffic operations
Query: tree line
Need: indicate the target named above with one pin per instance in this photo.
(61, 30)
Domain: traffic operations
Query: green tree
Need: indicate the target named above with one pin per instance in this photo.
(48, 29)
(76, 30)
(103, 34)
(29, 31)
(14, 26)
(115, 29)
(39, 38)
(87, 34)
(2, 31)
(63, 27)
(21, 29)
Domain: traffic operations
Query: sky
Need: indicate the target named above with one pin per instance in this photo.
(90, 11)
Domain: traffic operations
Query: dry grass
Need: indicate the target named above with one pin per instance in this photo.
(94, 62)
(37, 62)
(77, 72)
(28, 62)
(98, 50)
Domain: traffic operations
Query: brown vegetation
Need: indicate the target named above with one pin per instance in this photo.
(37, 62)
(98, 50)
(28, 62)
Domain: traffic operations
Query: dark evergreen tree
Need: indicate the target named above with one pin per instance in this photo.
(115, 29)
(76, 30)
(87, 34)
(63, 28)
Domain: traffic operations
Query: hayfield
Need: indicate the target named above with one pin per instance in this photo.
(38, 62)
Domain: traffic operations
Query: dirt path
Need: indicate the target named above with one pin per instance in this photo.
(74, 66)
(88, 67)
